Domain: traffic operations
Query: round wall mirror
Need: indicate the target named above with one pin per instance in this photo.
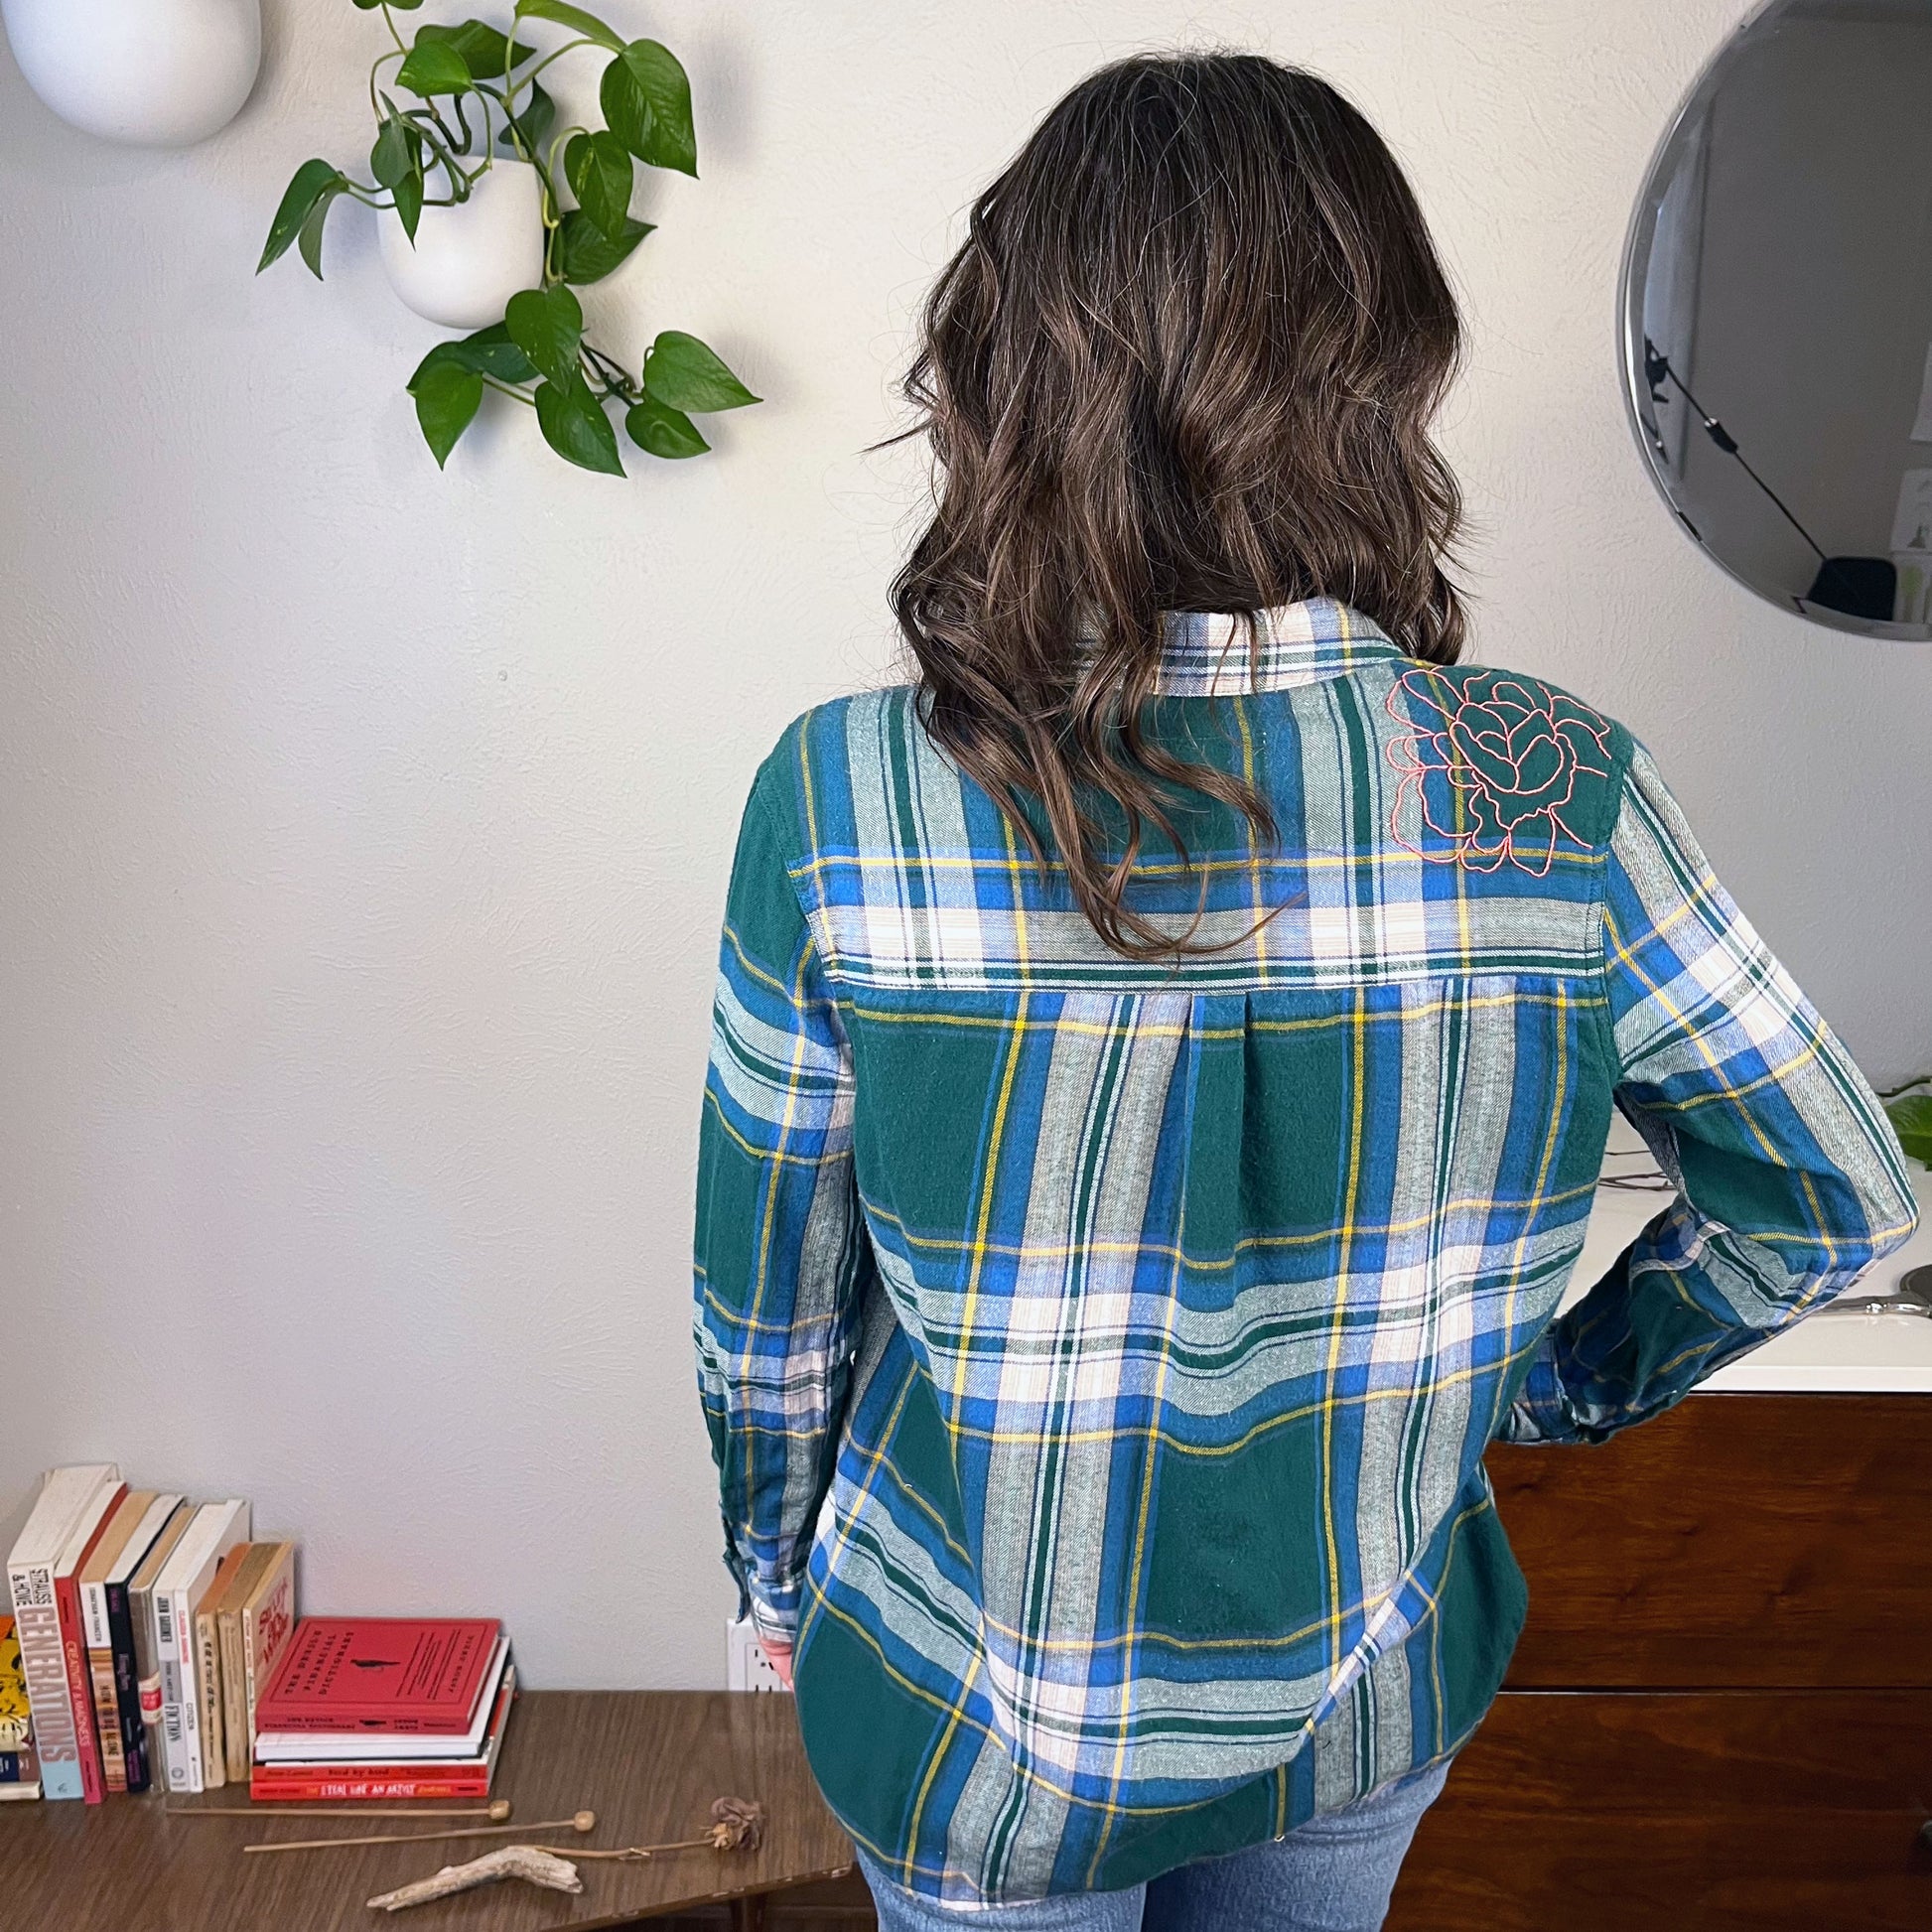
(1777, 312)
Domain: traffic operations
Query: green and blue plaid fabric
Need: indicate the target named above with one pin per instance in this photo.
(1099, 1354)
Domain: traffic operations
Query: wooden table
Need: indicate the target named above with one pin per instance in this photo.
(648, 1762)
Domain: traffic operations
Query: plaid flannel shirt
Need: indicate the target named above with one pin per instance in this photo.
(1099, 1354)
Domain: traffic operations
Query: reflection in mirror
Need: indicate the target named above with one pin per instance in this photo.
(1777, 312)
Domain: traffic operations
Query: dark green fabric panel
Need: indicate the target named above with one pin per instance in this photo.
(870, 1770)
(919, 1153)
(1236, 1542)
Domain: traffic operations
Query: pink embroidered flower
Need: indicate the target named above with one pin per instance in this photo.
(1507, 756)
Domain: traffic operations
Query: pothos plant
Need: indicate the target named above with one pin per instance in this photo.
(475, 94)
(1910, 1108)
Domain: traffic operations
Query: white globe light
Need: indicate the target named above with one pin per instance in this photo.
(158, 73)
(469, 259)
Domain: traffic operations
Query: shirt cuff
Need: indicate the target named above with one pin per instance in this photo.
(773, 1614)
(1539, 1413)
(772, 1605)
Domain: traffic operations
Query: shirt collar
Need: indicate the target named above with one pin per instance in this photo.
(1204, 654)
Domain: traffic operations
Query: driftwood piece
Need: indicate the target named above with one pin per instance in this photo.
(528, 1861)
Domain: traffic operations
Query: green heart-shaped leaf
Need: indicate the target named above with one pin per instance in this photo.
(313, 180)
(309, 238)
(663, 431)
(490, 351)
(1912, 1120)
(390, 158)
(646, 99)
(433, 66)
(587, 254)
(683, 372)
(487, 52)
(547, 325)
(576, 19)
(409, 201)
(598, 169)
(575, 426)
(446, 400)
(532, 122)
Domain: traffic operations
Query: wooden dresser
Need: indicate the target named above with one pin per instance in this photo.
(1719, 1716)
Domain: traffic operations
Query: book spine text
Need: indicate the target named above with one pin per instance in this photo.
(311, 1790)
(101, 1682)
(167, 1654)
(37, 1623)
(127, 1687)
(73, 1654)
(209, 1713)
(191, 1696)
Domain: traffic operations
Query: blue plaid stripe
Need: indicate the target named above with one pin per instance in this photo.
(1099, 1355)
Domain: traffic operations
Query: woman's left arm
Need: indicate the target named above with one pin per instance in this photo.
(780, 1241)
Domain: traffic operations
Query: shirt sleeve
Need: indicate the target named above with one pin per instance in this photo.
(1789, 1180)
(781, 1242)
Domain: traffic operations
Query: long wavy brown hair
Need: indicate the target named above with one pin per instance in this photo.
(1186, 360)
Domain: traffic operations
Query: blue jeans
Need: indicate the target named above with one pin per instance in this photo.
(1333, 1874)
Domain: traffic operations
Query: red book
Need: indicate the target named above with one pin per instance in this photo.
(312, 1790)
(386, 1673)
(73, 1638)
(467, 1778)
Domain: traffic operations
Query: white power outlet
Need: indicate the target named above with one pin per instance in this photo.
(746, 1665)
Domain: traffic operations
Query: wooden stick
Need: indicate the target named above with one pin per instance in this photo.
(583, 1820)
(499, 1809)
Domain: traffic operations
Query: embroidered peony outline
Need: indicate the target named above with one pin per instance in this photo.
(1509, 754)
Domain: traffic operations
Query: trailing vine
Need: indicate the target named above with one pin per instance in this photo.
(475, 95)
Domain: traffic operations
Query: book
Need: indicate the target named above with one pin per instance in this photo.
(257, 1620)
(392, 1673)
(86, 1533)
(315, 1779)
(216, 1530)
(20, 1775)
(92, 1586)
(19, 1772)
(147, 1661)
(118, 1607)
(210, 1702)
(37, 1623)
(16, 1718)
(366, 1746)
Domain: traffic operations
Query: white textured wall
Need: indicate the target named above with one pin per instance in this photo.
(363, 831)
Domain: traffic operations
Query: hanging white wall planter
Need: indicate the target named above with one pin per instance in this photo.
(158, 73)
(471, 257)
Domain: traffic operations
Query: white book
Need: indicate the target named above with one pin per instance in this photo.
(36, 1555)
(216, 1530)
(389, 1746)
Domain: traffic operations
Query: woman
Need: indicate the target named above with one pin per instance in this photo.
(1161, 1059)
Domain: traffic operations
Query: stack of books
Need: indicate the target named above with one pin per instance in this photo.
(154, 1645)
(384, 1708)
(146, 1624)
